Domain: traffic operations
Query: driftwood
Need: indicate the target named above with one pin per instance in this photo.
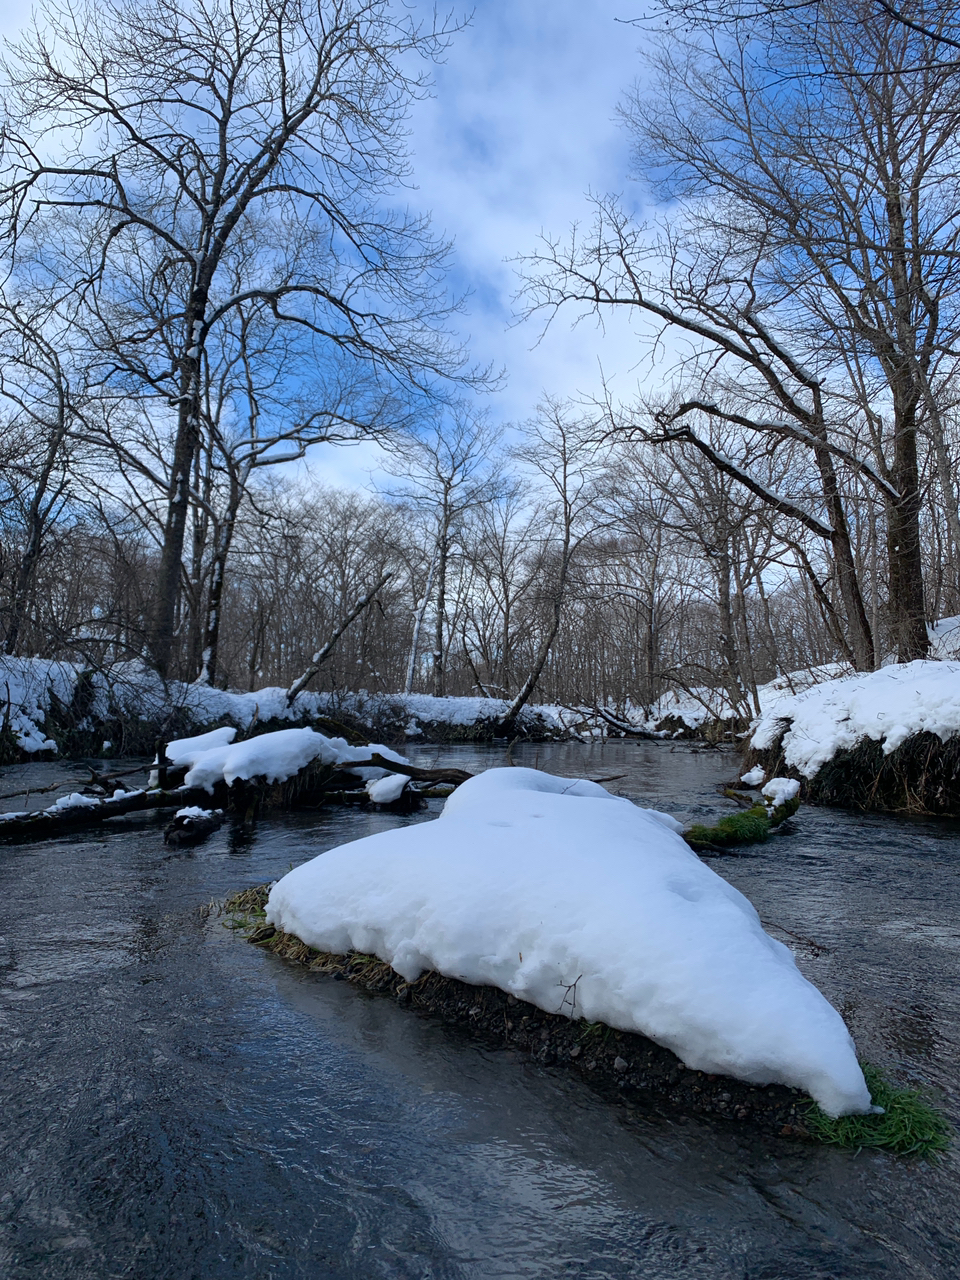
(101, 780)
(455, 776)
(50, 821)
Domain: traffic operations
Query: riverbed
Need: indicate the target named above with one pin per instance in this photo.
(178, 1104)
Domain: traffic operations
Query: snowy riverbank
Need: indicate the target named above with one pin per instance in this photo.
(57, 707)
(887, 739)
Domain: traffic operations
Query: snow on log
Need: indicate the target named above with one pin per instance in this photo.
(275, 757)
(79, 810)
(582, 904)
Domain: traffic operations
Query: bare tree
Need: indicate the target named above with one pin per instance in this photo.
(564, 452)
(163, 140)
(450, 468)
(816, 247)
(43, 402)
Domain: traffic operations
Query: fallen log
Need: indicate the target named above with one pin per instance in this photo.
(456, 776)
(330, 786)
(87, 812)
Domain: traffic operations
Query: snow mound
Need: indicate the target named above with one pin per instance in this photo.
(780, 790)
(754, 777)
(183, 750)
(386, 789)
(585, 905)
(889, 706)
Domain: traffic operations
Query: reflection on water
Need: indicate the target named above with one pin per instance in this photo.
(177, 1104)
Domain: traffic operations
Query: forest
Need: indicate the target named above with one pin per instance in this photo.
(209, 274)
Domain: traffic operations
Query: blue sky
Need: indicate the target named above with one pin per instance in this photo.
(522, 124)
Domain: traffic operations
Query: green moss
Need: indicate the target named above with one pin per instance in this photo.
(748, 827)
(909, 1126)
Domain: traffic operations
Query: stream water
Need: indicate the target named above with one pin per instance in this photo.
(176, 1103)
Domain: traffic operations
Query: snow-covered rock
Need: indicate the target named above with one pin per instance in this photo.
(753, 777)
(888, 706)
(582, 904)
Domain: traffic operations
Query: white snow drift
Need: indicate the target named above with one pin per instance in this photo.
(582, 904)
(888, 705)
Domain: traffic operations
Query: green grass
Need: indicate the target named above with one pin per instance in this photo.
(909, 1126)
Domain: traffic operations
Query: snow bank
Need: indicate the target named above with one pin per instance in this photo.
(582, 904)
(945, 638)
(132, 691)
(888, 706)
(25, 689)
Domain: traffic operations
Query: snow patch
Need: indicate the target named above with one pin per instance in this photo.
(780, 790)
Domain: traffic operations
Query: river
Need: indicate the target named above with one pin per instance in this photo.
(178, 1104)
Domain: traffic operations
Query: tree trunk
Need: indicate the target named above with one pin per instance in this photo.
(417, 626)
(223, 541)
(862, 642)
(186, 445)
(908, 615)
(36, 524)
(540, 661)
(948, 490)
(443, 551)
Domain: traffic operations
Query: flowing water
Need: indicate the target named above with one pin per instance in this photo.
(176, 1103)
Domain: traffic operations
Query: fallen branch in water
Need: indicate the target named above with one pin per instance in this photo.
(60, 817)
(96, 779)
(455, 776)
(750, 826)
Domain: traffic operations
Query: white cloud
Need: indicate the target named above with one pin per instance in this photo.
(522, 124)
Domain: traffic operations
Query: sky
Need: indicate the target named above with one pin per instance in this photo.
(521, 125)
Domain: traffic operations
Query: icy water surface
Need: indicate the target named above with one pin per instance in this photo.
(179, 1104)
